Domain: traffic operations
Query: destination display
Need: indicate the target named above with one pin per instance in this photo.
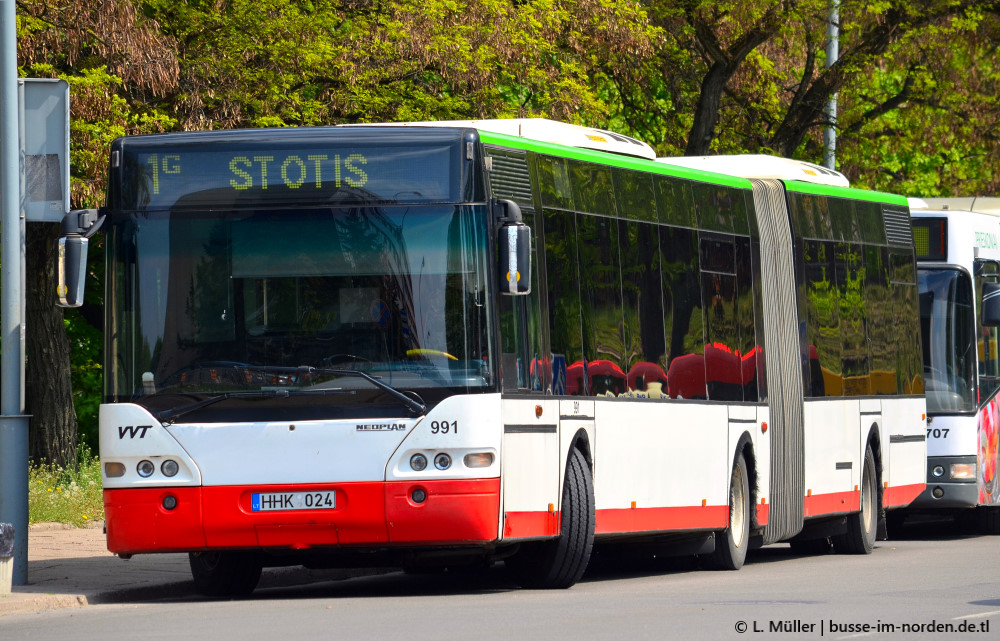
(214, 173)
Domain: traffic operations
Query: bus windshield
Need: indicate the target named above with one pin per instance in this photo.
(263, 301)
(949, 340)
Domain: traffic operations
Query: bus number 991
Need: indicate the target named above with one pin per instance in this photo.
(444, 427)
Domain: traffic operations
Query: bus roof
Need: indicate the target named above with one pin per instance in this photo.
(545, 130)
(978, 204)
(762, 166)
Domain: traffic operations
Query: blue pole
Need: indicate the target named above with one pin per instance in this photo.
(13, 422)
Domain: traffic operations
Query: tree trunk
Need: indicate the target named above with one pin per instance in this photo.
(48, 384)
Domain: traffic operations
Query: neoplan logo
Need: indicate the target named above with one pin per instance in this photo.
(133, 430)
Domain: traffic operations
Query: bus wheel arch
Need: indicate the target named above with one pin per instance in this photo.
(732, 543)
(559, 563)
(863, 525)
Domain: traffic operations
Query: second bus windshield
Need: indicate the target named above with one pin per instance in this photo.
(949, 340)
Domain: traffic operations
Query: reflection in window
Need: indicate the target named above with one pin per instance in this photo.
(948, 342)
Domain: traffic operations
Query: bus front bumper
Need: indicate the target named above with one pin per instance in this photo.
(453, 512)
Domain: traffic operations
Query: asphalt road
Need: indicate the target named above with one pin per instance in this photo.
(931, 584)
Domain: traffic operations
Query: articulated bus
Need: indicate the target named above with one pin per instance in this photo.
(463, 343)
(957, 241)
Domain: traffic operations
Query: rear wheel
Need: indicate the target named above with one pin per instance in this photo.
(560, 562)
(225, 574)
(862, 525)
(731, 544)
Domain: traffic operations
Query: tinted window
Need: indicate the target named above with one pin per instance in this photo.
(643, 305)
(564, 302)
(554, 182)
(634, 194)
(822, 319)
(600, 286)
(593, 191)
(683, 318)
(675, 202)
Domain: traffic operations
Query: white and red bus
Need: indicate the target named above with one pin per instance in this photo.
(957, 241)
(493, 340)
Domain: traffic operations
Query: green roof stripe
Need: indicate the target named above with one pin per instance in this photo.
(615, 160)
(845, 192)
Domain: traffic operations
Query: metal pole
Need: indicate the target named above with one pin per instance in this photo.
(13, 422)
(832, 53)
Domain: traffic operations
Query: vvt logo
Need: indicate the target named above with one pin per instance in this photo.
(131, 431)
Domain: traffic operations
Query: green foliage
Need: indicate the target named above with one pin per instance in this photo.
(66, 495)
(87, 344)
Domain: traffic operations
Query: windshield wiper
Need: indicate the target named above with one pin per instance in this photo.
(415, 406)
(166, 416)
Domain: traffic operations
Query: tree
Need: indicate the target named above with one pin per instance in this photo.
(63, 41)
(752, 77)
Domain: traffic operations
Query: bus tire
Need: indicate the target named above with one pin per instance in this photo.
(225, 574)
(731, 544)
(862, 525)
(559, 563)
(988, 519)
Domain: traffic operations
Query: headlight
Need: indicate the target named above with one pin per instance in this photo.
(145, 469)
(114, 470)
(963, 470)
(938, 471)
(418, 462)
(478, 459)
(442, 461)
(169, 467)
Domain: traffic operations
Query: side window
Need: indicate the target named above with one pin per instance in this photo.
(565, 331)
(989, 360)
(878, 303)
(853, 317)
(906, 313)
(747, 300)
(822, 319)
(723, 371)
(601, 294)
(523, 366)
(683, 320)
(642, 307)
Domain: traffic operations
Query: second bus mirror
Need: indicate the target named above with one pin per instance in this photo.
(515, 259)
(991, 305)
(71, 270)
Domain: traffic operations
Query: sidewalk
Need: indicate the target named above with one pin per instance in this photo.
(70, 567)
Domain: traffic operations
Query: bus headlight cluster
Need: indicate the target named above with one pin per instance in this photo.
(146, 468)
(443, 461)
(963, 470)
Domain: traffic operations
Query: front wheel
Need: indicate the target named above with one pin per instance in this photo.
(862, 525)
(731, 544)
(560, 562)
(225, 574)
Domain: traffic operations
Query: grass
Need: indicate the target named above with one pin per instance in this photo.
(65, 495)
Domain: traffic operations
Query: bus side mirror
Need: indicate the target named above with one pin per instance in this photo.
(71, 270)
(514, 250)
(515, 259)
(991, 304)
(71, 255)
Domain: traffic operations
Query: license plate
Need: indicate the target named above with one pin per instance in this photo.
(273, 501)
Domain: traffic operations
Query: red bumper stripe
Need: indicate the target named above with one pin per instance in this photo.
(455, 512)
(901, 495)
(833, 503)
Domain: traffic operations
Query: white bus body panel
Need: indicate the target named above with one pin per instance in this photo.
(904, 442)
(283, 452)
(832, 441)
